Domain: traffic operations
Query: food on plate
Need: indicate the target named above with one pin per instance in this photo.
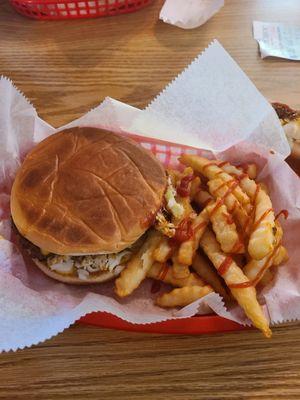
(188, 247)
(224, 227)
(240, 286)
(290, 120)
(163, 272)
(91, 205)
(138, 266)
(181, 297)
(256, 269)
(82, 198)
(205, 270)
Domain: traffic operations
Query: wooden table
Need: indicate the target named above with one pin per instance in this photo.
(65, 68)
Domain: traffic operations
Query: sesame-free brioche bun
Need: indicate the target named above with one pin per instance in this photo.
(101, 276)
(86, 191)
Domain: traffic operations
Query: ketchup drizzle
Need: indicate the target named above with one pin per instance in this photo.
(183, 232)
(285, 213)
(222, 164)
(163, 272)
(224, 267)
(237, 246)
(255, 225)
(184, 187)
(254, 281)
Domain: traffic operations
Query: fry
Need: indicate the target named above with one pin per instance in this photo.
(188, 248)
(202, 198)
(179, 270)
(281, 256)
(249, 169)
(137, 267)
(217, 189)
(261, 241)
(183, 296)
(234, 276)
(224, 228)
(163, 250)
(163, 272)
(195, 187)
(264, 187)
(256, 269)
(188, 209)
(262, 237)
(207, 272)
(209, 169)
(184, 187)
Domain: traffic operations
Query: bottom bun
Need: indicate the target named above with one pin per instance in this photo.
(99, 277)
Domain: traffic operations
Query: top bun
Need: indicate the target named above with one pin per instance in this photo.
(86, 191)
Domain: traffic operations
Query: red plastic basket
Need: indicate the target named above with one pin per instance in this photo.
(71, 9)
(204, 324)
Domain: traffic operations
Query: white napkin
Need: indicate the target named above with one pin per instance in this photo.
(189, 14)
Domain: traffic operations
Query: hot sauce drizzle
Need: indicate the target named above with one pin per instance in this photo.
(251, 216)
(237, 246)
(163, 272)
(199, 226)
(255, 281)
(241, 285)
(225, 184)
(234, 207)
(213, 192)
(240, 177)
(216, 207)
(224, 267)
(184, 187)
(255, 225)
(266, 266)
(256, 194)
(285, 213)
(183, 232)
(228, 218)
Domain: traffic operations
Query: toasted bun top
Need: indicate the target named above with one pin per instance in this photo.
(86, 191)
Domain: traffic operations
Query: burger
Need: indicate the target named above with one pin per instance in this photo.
(82, 200)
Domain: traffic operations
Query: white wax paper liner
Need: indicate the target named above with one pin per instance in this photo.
(34, 307)
(47, 307)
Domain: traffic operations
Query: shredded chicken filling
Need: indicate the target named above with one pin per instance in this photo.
(84, 266)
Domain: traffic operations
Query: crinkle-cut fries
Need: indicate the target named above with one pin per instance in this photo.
(217, 233)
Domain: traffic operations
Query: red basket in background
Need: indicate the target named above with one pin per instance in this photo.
(68, 9)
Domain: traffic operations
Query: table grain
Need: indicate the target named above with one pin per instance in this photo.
(65, 68)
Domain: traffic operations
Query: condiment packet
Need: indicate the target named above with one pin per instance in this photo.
(189, 14)
(34, 307)
(277, 39)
